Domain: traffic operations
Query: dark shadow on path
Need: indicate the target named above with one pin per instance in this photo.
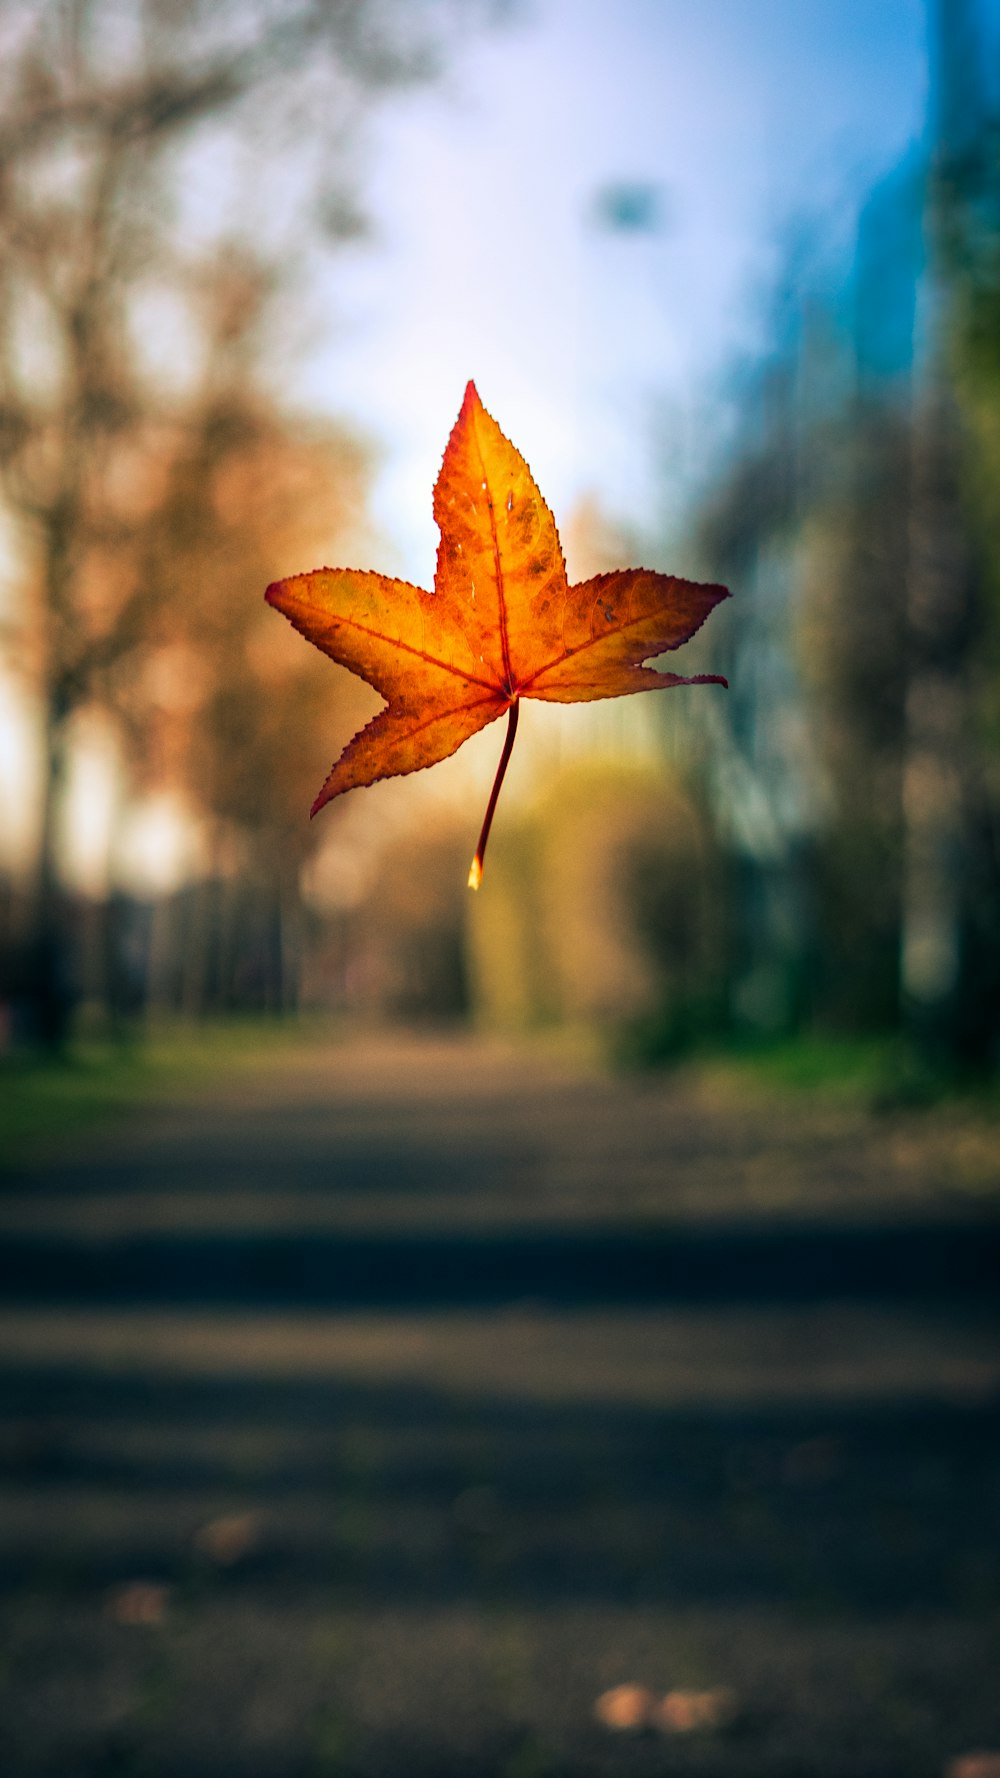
(559, 1266)
(415, 1495)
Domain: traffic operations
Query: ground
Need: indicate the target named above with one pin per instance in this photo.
(372, 1410)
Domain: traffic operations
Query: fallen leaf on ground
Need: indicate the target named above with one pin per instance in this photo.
(502, 624)
(225, 1540)
(625, 1708)
(139, 1602)
(680, 1713)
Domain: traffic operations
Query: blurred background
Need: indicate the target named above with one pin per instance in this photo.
(729, 278)
(547, 1331)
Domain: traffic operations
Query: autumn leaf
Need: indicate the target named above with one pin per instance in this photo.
(502, 623)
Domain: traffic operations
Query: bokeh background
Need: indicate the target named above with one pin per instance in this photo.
(425, 1312)
(728, 278)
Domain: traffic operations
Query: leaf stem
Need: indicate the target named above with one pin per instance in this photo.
(476, 868)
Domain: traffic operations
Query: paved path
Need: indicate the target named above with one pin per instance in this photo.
(373, 1413)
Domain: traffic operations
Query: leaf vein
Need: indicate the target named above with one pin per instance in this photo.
(443, 715)
(420, 653)
(594, 641)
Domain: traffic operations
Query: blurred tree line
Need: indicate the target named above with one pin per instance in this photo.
(818, 849)
(169, 172)
(855, 769)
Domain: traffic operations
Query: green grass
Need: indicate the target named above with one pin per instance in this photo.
(885, 1073)
(882, 1072)
(848, 1067)
(97, 1082)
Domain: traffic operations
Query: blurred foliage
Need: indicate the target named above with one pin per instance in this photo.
(403, 943)
(812, 858)
(605, 902)
(852, 773)
(160, 215)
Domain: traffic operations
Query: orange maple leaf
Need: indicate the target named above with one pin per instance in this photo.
(502, 623)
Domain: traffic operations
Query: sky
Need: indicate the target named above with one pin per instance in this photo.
(488, 258)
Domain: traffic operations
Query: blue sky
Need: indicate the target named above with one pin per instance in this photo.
(486, 260)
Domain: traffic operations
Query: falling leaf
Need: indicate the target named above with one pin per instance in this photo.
(625, 1708)
(502, 623)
